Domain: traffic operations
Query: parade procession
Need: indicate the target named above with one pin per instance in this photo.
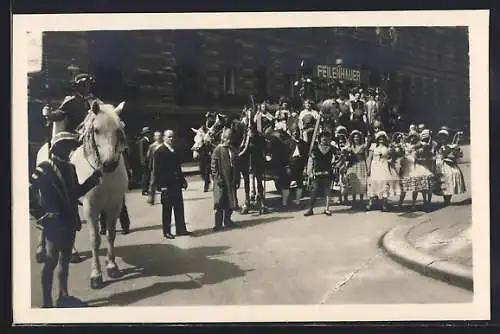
(340, 142)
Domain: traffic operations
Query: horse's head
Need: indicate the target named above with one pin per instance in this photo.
(103, 136)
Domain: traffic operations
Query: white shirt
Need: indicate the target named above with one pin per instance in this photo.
(169, 147)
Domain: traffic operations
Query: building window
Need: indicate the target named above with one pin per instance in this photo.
(230, 82)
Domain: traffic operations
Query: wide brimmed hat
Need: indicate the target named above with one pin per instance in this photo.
(381, 134)
(443, 132)
(61, 137)
(340, 129)
(425, 134)
(145, 130)
(83, 78)
(355, 132)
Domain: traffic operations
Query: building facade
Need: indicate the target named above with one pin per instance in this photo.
(171, 78)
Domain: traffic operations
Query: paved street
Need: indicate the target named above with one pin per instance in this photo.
(277, 258)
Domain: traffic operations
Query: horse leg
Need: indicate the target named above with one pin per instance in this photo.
(246, 182)
(262, 194)
(96, 281)
(112, 217)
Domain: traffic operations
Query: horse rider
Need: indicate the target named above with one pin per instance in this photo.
(307, 120)
(202, 149)
(74, 108)
(263, 118)
(143, 145)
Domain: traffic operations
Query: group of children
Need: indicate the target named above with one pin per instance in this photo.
(380, 167)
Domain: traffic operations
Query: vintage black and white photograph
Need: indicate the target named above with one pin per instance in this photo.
(252, 165)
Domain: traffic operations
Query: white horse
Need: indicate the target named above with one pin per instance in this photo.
(103, 142)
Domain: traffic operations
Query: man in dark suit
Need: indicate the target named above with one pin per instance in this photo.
(167, 176)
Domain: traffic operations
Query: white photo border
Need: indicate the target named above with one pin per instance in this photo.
(479, 309)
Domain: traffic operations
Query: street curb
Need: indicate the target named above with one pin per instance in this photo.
(398, 248)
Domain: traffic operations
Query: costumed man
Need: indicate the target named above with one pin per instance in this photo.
(143, 145)
(281, 116)
(371, 108)
(157, 142)
(298, 162)
(67, 117)
(344, 110)
(223, 174)
(339, 145)
(202, 148)
(167, 176)
(54, 192)
(307, 120)
(319, 169)
(358, 114)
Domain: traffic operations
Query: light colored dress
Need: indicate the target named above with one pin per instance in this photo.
(415, 176)
(383, 182)
(449, 175)
(357, 173)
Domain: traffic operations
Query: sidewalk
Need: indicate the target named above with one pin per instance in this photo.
(439, 244)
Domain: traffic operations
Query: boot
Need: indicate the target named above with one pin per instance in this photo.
(284, 198)
(298, 196)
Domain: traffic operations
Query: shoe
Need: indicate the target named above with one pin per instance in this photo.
(102, 232)
(169, 236)
(184, 233)
(308, 213)
(217, 228)
(327, 212)
(231, 224)
(126, 231)
(145, 193)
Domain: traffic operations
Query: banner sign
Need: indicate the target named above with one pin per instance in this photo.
(342, 73)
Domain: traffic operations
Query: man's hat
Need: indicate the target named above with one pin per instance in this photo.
(145, 130)
(63, 136)
(83, 78)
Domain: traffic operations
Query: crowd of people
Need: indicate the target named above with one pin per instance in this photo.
(344, 144)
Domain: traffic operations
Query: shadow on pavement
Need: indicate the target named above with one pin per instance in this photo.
(242, 224)
(166, 260)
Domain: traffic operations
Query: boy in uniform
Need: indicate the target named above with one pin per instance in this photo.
(54, 193)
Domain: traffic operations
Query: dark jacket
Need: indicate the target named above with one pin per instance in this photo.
(167, 172)
(74, 109)
(54, 188)
(143, 146)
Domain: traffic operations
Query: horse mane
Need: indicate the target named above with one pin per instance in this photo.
(86, 131)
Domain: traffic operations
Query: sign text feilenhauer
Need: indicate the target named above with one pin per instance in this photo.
(339, 73)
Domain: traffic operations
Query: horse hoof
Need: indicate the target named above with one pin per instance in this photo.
(114, 272)
(96, 282)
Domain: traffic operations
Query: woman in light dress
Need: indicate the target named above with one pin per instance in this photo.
(448, 173)
(383, 181)
(416, 177)
(357, 171)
